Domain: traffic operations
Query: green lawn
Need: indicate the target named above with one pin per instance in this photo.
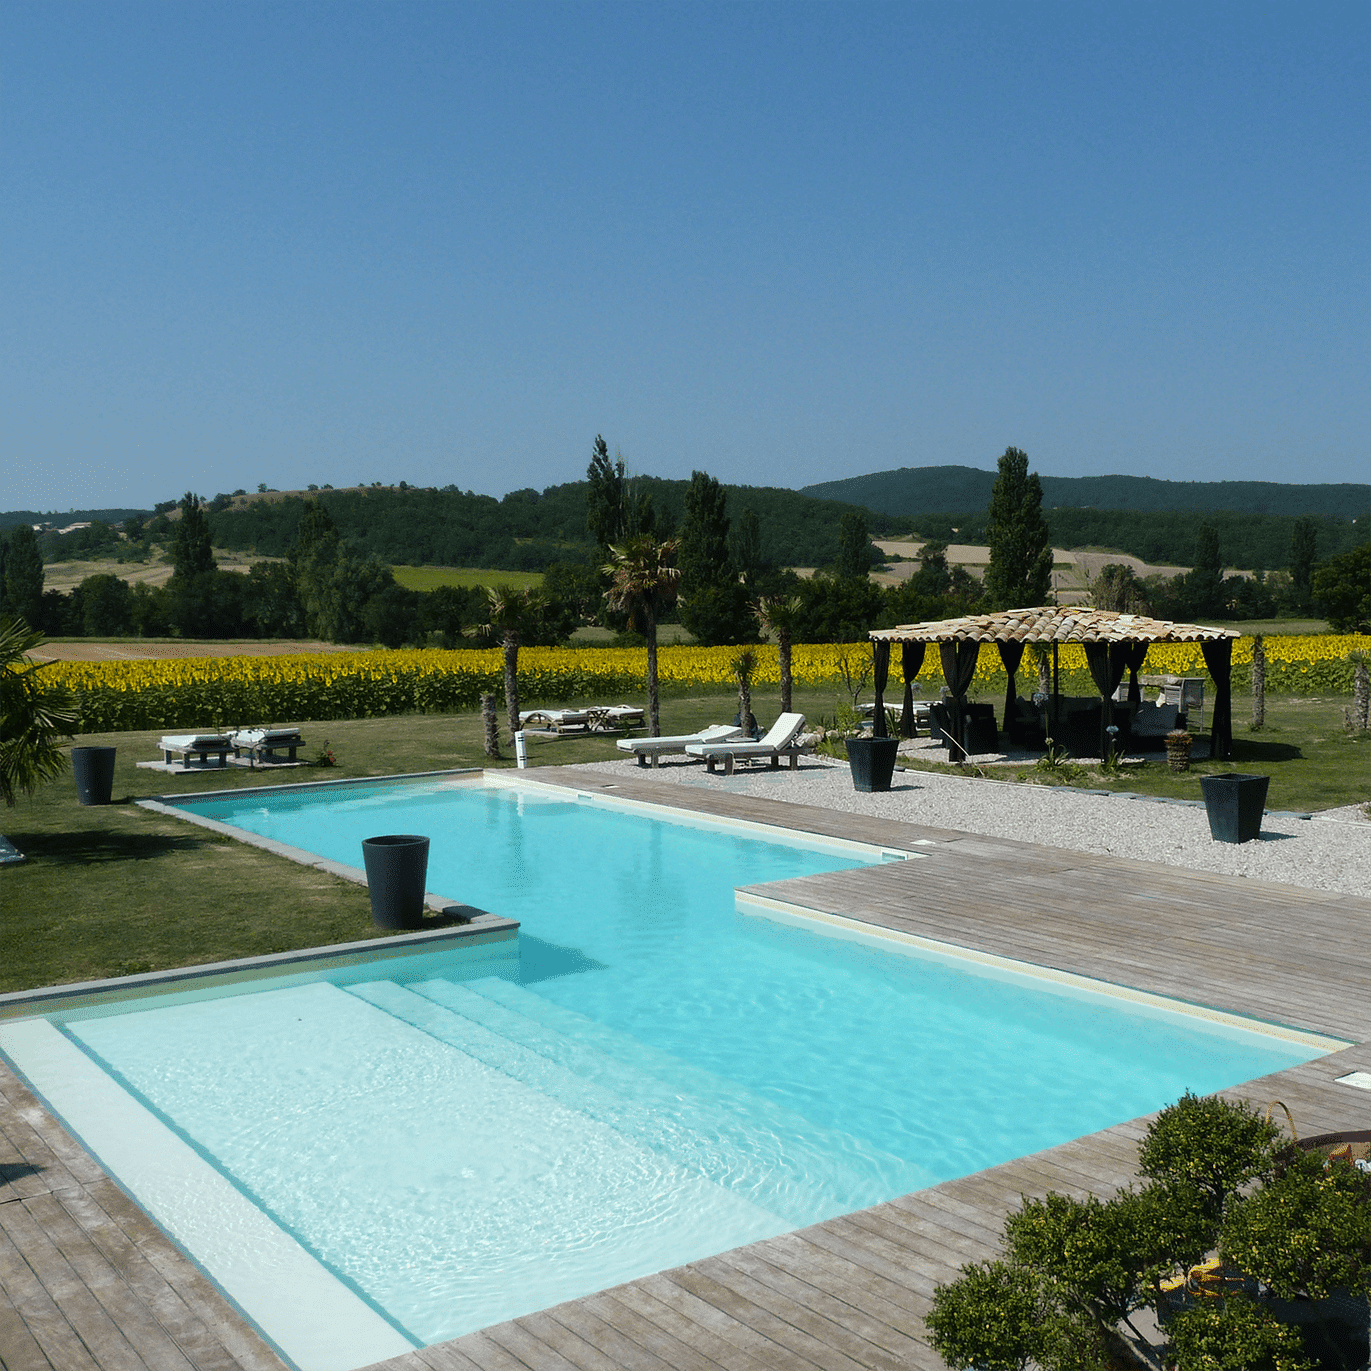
(431, 577)
(1313, 760)
(117, 889)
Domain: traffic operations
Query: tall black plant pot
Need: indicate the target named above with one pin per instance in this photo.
(397, 869)
(1234, 804)
(93, 768)
(872, 761)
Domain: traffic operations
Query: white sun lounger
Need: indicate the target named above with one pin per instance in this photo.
(195, 744)
(643, 748)
(779, 742)
(262, 744)
(558, 720)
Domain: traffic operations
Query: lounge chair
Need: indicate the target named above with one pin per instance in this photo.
(195, 744)
(779, 742)
(643, 748)
(615, 717)
(262, 744)
(556, 720)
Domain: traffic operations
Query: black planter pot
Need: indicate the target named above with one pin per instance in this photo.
(397, 869)
(1234, 804)
(872, 761)
(93, 768)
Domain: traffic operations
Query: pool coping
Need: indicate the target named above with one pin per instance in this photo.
(822, 1295)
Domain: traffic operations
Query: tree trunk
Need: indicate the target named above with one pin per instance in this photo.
(1044, 674)
(512, 680)
(745, 719)
(654, 726)
(1258, 683)
(492, 726)
(783, 651)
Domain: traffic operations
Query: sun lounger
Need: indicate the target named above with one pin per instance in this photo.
(195, 744)
(779, 742)
(643, 748)
(262, 744)
(616, 717)
(557, 720)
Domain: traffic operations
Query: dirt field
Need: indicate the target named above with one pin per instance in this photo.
(148, 650)
(66, 576)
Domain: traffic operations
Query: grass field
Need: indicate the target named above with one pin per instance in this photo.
(431, 577)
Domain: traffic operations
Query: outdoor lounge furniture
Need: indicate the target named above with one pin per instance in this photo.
(556, 720)
(613, 717)
(643, 748)
(779, 742)
(200, 745)
(1151, 724)
(262, 744)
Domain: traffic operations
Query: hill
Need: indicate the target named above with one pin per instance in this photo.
(947, 489)
(14, 517)
(525, 530)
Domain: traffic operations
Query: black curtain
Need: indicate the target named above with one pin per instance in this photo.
(882, 675)
(1011, 654)
(1134, 654)
(911, 661)
(1106, 663)
(1218, 657)
(959, 666)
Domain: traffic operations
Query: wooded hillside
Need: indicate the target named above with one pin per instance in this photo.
(525, 530)
(943, 489)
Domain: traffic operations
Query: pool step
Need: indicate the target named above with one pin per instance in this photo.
(748, 1175)
(819, 1166)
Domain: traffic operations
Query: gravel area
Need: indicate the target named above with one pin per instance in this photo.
(1331, 851)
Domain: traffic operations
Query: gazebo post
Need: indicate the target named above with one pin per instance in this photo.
(1056, 694)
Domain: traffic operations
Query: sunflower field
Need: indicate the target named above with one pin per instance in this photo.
(229, 692)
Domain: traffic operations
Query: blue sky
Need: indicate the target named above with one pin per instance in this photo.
(783, 243)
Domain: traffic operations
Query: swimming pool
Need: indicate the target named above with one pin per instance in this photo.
(650, 1075)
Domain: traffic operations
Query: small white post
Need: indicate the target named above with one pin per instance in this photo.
(520, 750)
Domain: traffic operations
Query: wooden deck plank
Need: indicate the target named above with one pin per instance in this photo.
(637, 1298)
(134, 1320)
(772, 1268)
(56, 1307)
(636, 1329)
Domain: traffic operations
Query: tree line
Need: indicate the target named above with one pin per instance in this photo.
(333, 583)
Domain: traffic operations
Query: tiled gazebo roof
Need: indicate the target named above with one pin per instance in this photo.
(1052, 624)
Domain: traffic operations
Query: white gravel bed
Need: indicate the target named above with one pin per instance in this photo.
(1301, 852)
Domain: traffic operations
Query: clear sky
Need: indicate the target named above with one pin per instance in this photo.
(782, 242)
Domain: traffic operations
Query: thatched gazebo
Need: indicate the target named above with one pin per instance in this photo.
(1114, 643)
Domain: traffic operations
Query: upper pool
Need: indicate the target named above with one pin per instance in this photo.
(654, 1075)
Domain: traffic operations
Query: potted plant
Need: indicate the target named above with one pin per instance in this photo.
(1178, 744)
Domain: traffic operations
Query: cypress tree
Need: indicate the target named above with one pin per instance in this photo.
(1304, 553)
(1020, 570)
(190, 549)
(23, 583)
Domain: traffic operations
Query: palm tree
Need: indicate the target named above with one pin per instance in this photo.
(780, 616)
(512, 612)
(33, 719)
(742, 666)
(643, 581)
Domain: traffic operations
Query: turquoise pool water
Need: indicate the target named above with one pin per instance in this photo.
(654, 1076)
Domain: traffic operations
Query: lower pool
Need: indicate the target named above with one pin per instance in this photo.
(650, 1075)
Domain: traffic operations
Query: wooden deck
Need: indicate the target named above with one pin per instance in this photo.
(88, 1281)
